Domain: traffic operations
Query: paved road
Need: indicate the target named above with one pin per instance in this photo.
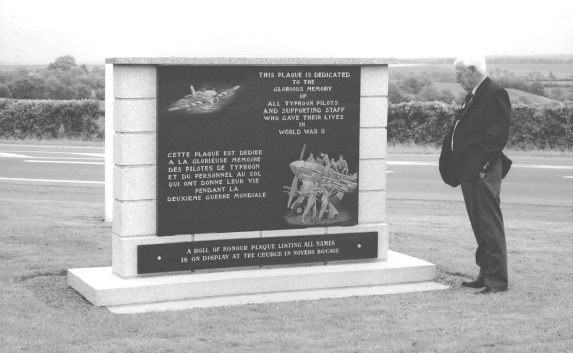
(532, 180)
(77, 174)
(52, 173)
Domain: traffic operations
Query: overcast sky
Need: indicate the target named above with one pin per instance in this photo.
(40, 31)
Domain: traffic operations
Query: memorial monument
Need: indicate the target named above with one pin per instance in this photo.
(246, 181)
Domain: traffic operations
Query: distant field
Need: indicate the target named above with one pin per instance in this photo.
(557, 83)
(560, 71)
(514, 94)
(407, 68)
(9, 67)
(454, 87)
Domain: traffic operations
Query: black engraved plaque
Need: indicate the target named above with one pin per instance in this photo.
(190, 256)
(242, 148)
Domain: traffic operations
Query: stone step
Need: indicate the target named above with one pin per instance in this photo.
(400, 273)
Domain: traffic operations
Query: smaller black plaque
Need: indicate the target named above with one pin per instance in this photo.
(200, 255)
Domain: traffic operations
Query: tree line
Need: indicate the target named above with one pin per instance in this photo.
(62, 79)
(494, 60)
(530, 83)
(418, 86)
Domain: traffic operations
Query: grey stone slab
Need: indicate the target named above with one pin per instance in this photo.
(374, 81)
(372, 174)
(372, 206)
(373, 143)
(134, 149)
(135, 115)
(135, 81)
(134, 183)
(279, 297)
(373, 112)
(102, 288)
(133, 218)
(248, 61)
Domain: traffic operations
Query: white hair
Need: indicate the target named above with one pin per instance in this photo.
(477, 61)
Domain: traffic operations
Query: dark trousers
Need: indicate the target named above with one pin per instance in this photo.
(482, 203)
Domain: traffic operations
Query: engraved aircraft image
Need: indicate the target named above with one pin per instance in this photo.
(321, 188)
(202, 101)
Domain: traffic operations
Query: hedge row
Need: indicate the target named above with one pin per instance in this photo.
(423, 123)
(42, 119)
(532, 126)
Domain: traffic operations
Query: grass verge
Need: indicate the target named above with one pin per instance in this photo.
(41, 239)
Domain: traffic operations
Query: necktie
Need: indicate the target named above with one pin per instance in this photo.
(468, 98)
(460, 112)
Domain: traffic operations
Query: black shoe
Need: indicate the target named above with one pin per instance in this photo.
(478, 283)
(490, 290)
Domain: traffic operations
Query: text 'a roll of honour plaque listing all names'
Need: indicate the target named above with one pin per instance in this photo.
(306, 110)
(214, 175)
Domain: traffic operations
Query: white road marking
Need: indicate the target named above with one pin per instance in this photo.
(52, 146)
(389, 171)
(12, 155)
(97, 156)
(102, 155)
(61, 162)
(74, 158)
(542, 166)
(533, 166)
(55, 181)
(410, 163)
(568, 177)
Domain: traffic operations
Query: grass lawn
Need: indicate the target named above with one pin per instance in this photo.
(39, 313)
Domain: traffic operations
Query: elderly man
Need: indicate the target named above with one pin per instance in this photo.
(472, 156)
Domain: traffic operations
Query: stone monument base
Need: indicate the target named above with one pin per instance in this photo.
(398, 274)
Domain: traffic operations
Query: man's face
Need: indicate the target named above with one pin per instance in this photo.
(465, 76)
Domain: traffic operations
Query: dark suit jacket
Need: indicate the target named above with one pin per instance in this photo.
(480, 136)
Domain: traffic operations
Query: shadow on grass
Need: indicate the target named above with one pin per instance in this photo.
(51, 288)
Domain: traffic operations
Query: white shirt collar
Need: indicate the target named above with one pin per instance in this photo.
(476, 87)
